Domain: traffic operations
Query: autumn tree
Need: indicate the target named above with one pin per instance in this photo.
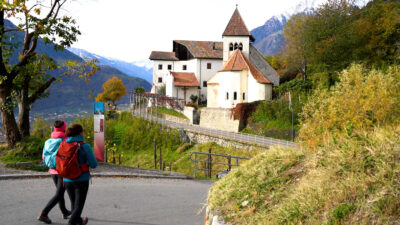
(113, 90)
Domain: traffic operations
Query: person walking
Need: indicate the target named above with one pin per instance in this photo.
(51, 147)
(78, 188)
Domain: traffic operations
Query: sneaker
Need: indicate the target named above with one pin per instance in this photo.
(44, 219)
(66, 215)
(85, 220)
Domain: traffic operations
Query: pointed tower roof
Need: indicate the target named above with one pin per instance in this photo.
(239, 62)
(237, 27)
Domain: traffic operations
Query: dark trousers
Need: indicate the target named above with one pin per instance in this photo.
(78, 192)
(57, 198)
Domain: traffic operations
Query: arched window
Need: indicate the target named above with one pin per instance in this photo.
(240, 46)
(230, 47)
(236, 46)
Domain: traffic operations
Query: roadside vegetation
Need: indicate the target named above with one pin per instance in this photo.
(347, 172)
(163, 110)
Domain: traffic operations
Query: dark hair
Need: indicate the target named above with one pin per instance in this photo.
(58, 123)
(74, 130)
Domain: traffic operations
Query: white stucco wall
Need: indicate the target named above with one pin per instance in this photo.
(235, 39)
(205, 74)
(163, 73)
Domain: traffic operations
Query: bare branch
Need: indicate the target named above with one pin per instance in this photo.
(40, 90)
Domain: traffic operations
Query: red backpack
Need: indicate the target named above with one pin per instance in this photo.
(67, 164)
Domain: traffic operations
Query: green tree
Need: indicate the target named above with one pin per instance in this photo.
(162, 90)
(38, 21)
(140, 90)
(113, 90)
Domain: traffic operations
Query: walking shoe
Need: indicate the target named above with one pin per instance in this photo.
(85, 220)
(44, 219)
(66, 215)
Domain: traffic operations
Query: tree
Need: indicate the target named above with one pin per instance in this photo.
(140, 90)
(162, 90)
(113, 90)
(33, 81)
(51, 27)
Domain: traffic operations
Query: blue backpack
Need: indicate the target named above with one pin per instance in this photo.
(50, 151)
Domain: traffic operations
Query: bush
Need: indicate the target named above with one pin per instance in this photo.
(362, 100)
(41, 129)
(29, 150)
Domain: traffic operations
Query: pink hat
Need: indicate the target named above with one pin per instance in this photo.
(62, 128)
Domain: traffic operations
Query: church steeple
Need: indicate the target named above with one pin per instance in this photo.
(237, 27)
(236, 36)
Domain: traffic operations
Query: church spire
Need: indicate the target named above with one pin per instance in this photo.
(236, 26)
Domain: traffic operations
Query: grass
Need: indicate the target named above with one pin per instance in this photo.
(178, 158)
(271, 128)
(353, 181)
(162, 110)
(29, 150)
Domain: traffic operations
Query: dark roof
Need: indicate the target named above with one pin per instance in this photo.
(239, 62)
(237, 27)
(156, 55)
(182, 79)
(203, 49)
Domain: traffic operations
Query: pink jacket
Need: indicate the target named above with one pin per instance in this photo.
(57, 133)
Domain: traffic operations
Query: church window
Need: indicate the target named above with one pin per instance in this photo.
(184, 67)
(236, 46)
(159, 66)
(234, 95)
(227, 95)
(230, 47)
(169, 67)
(209, 66)
(160, 80)
(240, 46)
(244, 96)
(204, 83)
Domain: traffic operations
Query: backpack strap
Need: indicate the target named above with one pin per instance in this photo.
(84, 167)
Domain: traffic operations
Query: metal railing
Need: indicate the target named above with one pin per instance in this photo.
(241, 137)
(209, 162)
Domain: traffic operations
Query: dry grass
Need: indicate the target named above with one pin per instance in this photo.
(353, 181)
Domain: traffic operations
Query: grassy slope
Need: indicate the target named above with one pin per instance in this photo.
(355, 181)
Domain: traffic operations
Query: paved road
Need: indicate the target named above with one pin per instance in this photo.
(111, 201)
(247, 138)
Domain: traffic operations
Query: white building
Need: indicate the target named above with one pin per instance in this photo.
(225, 73)
(185, 71)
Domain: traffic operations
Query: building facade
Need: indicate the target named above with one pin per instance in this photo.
(223, 73)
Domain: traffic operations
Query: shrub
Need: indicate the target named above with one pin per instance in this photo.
(361, 100)
(30, 149)
(41, 129)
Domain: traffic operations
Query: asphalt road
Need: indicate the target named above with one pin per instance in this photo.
(111, 201)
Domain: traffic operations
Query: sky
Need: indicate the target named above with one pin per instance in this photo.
(130, 29)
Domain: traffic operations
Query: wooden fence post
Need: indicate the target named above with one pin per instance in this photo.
(155, 154)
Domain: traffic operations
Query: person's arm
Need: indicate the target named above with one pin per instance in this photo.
(90, 156)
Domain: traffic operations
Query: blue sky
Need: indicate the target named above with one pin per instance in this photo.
(130, 29)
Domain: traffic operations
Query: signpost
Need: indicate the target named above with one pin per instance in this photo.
(99, 123)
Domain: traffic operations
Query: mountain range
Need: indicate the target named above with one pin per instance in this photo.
(269, 36)
(142, 69)
(72, 94)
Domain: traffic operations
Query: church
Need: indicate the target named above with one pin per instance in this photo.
(223, 73)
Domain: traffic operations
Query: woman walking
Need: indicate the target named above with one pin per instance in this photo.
(78, 188)
(50, 146)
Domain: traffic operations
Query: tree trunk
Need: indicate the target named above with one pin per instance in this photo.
(7, 117)
(23, 119)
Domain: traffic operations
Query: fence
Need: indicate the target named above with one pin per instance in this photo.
(209, 162)
(246, 138)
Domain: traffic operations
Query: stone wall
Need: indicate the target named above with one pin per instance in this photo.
(218, 118)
